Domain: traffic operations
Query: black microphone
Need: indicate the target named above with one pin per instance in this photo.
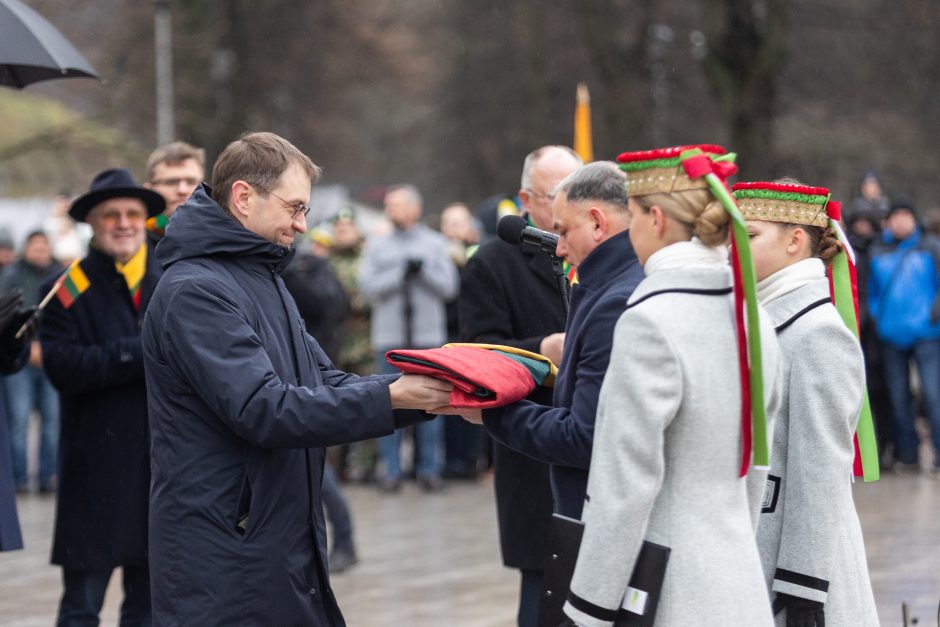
(516, 230)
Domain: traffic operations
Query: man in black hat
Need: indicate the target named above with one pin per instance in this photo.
(92, 352)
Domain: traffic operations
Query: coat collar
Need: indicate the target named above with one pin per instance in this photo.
(685, 279)
(781, 309)
(606, 261)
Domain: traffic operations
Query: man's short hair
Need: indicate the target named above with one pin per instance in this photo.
(598, 181)
(412, 191)
(174, 154)
(533, 158)
(259, 159)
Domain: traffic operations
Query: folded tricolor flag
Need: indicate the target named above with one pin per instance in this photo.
(482, 377)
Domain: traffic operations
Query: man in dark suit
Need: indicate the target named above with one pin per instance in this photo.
(509, 296)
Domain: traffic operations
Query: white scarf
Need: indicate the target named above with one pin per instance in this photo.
(686, 255)
(787, 279)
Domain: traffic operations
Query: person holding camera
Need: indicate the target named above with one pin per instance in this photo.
(409, 277)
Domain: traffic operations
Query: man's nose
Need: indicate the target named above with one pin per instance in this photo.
(560, 249)
(300, 223)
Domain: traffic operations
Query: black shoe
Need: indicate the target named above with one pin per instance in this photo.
(342, 560)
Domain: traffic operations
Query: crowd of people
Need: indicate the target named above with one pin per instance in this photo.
(210, 368)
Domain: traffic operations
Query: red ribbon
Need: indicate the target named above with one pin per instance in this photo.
(834, 210)
(743, 365)
(701, 165)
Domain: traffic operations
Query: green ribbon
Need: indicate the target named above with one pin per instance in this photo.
(845, 305)
(742, 244)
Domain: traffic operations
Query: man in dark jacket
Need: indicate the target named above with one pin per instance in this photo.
(92, 353)
(509, 296)
(591, 218)
(242, 400)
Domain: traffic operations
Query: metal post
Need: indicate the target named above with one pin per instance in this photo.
(163, 44)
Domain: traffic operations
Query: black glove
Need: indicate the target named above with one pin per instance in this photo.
(413, 267)
(9, 306)
(800, 612)
(29, 317)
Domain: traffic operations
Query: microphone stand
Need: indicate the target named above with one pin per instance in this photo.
(559, 271)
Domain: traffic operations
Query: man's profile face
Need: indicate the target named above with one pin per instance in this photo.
(176, 182)
(574, 227)
(274, 216)
(118, 225)
(550, 170)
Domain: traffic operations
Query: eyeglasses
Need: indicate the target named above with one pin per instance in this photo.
(539, 195)
(111, 217)
(175, 181)
(299, 208)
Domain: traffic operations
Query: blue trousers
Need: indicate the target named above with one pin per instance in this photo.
(337, 512)
(84, 595)
(26, 390)
(429, 439)
(926, 356)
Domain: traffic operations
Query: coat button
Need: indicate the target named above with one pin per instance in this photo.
(548, 593)
(313, 592)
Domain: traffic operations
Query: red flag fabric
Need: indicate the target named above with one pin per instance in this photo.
(481, 378)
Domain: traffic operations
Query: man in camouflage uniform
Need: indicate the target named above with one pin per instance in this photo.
(357, 461)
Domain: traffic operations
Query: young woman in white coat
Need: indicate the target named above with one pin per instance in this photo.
(667, 456)
(809, 535)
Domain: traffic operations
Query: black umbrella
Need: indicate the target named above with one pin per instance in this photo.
(32, 49)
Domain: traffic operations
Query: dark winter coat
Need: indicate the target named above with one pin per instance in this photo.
(509, 296)
(562, 433)
(321, 300)
(92, 354)
(238, 389)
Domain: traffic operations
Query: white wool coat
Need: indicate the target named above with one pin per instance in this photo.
(666, 460)
(809, 535)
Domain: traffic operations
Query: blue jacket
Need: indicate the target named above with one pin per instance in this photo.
(242, 400)
(562, 435)
(903, 295)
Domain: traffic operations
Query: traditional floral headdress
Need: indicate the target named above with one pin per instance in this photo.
(707, 166)
(813, 206)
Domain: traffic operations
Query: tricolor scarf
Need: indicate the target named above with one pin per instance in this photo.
(683, 168)
(133, 272)
(813, 206)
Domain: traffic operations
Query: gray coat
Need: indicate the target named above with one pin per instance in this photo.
(666, 459)
(809, 535)
(382, 280)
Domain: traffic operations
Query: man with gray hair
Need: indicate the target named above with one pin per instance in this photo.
(509, 296)
(409, 277)
(589, 213)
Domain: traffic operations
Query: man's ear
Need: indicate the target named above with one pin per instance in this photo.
(525, 198)
(599, 219)
(240, 198)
